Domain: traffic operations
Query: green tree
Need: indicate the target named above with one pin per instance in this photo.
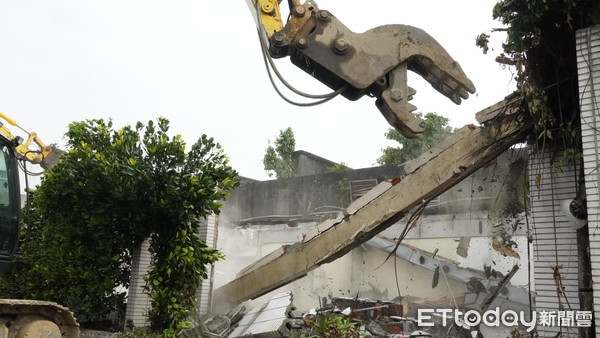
(278, 160)
(332, 326)
(343, 185)
(540, 45)
(435, 129)
(339, 167)
(112, 189)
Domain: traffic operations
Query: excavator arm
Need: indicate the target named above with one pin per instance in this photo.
(373, 63)
(45, 155)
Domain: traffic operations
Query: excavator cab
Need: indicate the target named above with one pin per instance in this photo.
(10, 201)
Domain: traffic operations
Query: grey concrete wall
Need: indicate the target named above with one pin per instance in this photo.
(478, 207)
(364, 272)
(306, 164)
(357, 272)
(489, 194)
(303, 196)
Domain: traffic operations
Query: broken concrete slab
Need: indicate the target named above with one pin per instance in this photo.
(463, 246)
(267, 319)
(462, 154)
(218, 324)
(503, 108)
(482, 288)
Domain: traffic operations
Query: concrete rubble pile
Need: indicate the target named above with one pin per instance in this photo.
(278, 318)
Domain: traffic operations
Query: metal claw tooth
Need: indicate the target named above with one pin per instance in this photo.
(442, 81)
(455, 98)
(411, 108)
(455, 92)
(446, 77)
(410, 94)
(394, 103)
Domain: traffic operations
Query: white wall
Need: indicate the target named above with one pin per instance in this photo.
(138, 303)
(554, 241)
(588, 64)
(363, 271)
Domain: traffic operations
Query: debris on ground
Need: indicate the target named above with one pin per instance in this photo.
(266, 320)
(335, 317)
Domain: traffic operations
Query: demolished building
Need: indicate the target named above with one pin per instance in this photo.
(441, 261)
(543, 242)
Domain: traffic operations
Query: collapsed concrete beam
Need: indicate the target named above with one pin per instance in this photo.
(436, 171)
(483, 291)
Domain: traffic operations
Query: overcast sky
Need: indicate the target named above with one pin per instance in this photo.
(198, 64)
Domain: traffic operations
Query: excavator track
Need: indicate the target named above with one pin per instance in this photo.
(32, 318)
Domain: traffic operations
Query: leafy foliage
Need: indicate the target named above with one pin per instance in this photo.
(339, 167)
(483, 41)
(435, 129)
(110, 191)
(540, 43)
(185, 187)
(278, 160)
(343, 190)
(530, 22)
(332, 326)
(139, 333)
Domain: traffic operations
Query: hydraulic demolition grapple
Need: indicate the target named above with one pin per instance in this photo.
(373, 63)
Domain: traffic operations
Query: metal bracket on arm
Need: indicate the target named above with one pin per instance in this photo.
(266, 13)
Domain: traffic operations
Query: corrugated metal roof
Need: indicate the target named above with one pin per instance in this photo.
(265, 321)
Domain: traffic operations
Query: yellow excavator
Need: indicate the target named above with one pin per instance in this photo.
(374, 63)
(20, 317)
